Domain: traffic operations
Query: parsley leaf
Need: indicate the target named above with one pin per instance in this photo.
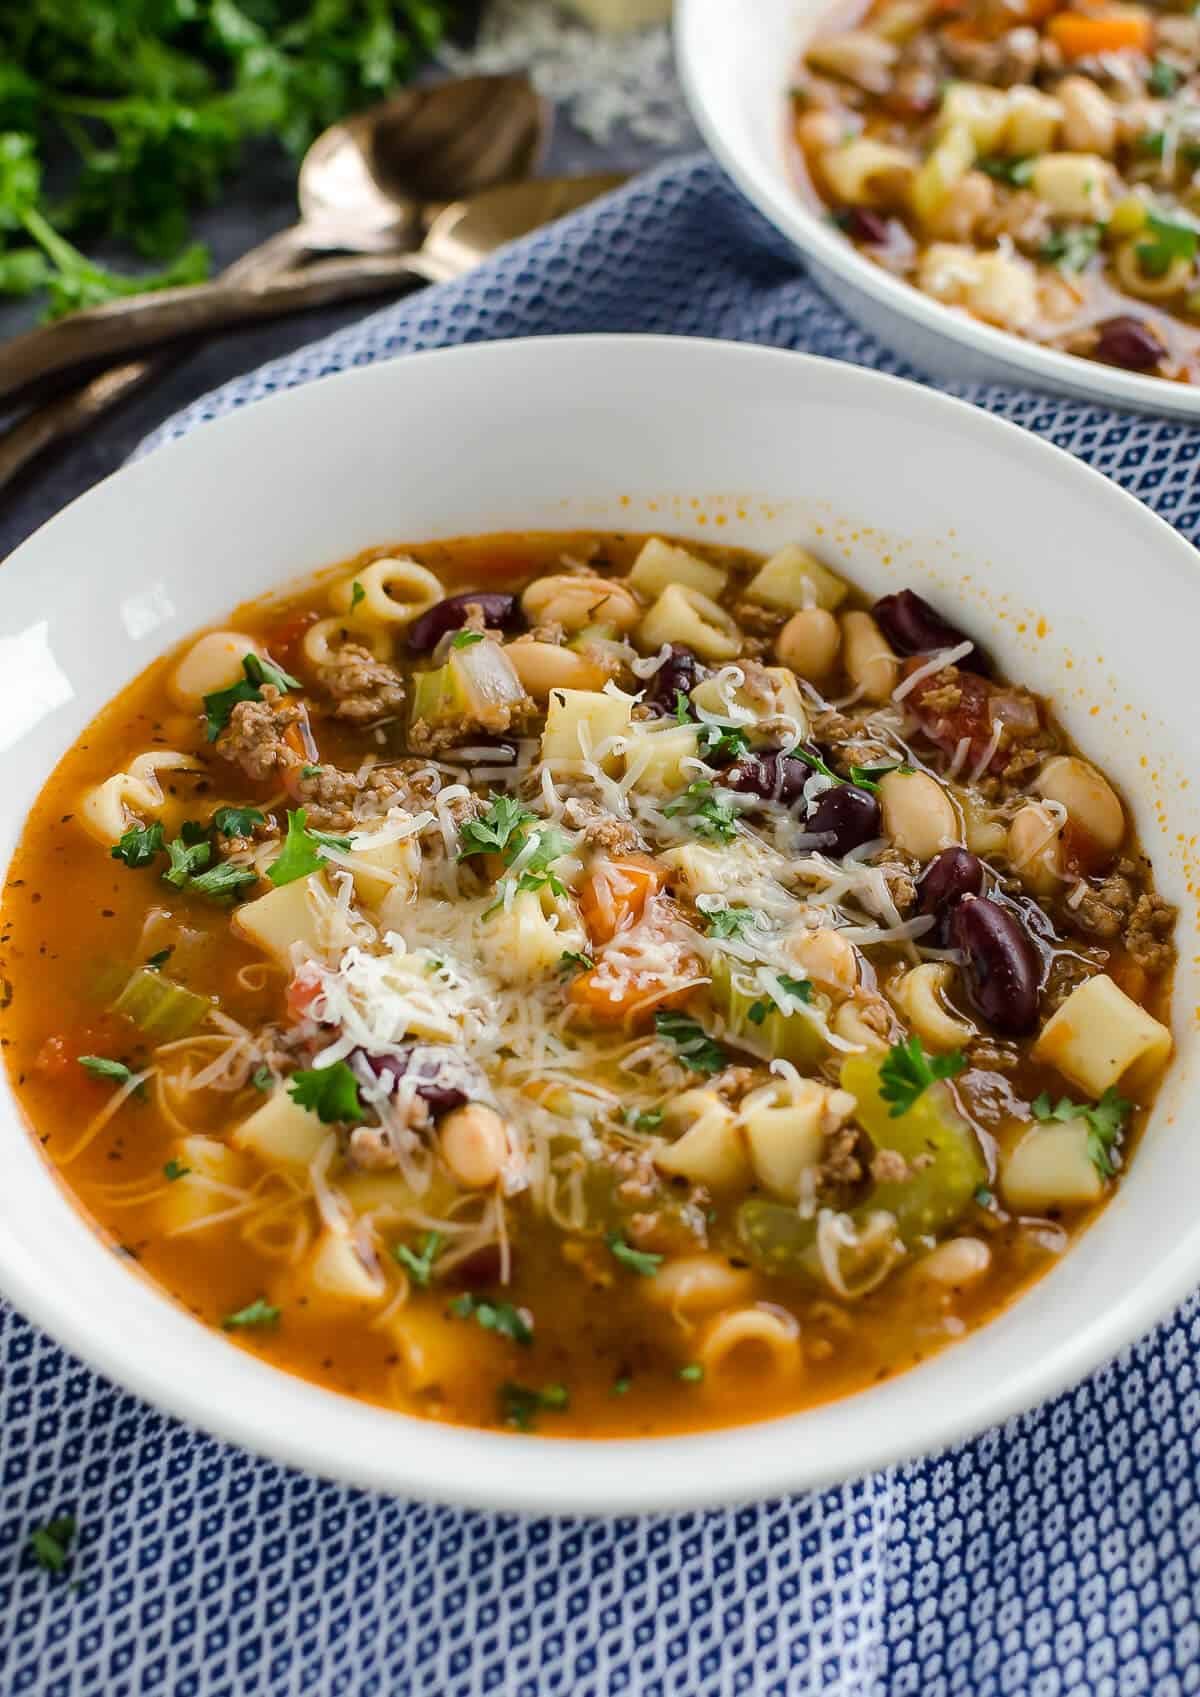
(691, 1374)
(466, 638)
(864, 777)
(520, 1405)
(256, 1313)
(730, 921)
(261, 1078)
(574, 957)
(811, 758)
(649, 1119)
(357, 594)
(1106, 1121)
(237, 821)
(1073, 248)
(329, 1092)
(697, 1050)
(221, 880)
(717, 744)
(419, 1267)
(258, 671)
(139, 847)
(50, 1545)
(1170, 241)
(706, 813)
(186, 858)
(800, 988)
(175, 1169)
(101, 1067)
(637, 1260)
(1163, 79)
(1017, 172)
(491, 833)
(907, 1072)
(500, 1317)
(301, 853)
(551, 846)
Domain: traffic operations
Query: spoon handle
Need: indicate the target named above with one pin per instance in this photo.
(143, 321)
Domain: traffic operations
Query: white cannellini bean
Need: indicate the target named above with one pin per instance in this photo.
(958, 1262)
(1092, 804)
(809, 643)
(474, 1145)
(868, 661)
(918, 815)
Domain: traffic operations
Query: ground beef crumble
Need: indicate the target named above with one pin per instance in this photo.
(362, 688)
(254, 738)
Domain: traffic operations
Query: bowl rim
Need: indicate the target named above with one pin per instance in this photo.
(783, 205)
(473, 1468)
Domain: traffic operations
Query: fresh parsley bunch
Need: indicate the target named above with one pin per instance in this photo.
(142, 107)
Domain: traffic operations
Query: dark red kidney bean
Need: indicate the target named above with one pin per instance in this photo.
(681, 670)
(772, 777)
(439, 1088)
(847, 814)
(862, 225)
(500, 612)
(950, 876)
(1129, 342)
(912, 626)
(1002, 968)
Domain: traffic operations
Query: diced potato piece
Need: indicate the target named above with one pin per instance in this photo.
(399, 863)
(189, 1199)
(435, 1353)
(769, 694)
(783, 1131)
(1031, 127)
(1100, 1037)
(657, 756)
(794, 578)
(711, 1150)
(950, 160)
(660, 564)
(280, 918)
(527, 941)
(1050, 1168)
(978, 109)
(335, 1275)
(281, 1133)
(1075, 185)
(584, 718)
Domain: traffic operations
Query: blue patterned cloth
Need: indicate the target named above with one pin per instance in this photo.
(1056, 1557)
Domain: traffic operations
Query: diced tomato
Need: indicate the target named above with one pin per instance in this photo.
(980, 707)
(302, 992)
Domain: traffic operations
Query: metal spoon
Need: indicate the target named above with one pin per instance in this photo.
(363, 187)
(460, 237)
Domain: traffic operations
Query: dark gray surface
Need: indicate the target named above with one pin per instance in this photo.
(262, 203)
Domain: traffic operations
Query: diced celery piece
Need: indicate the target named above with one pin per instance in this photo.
(936, 1195)
(160, 1007)
(473, 680)
(788, 1037)
(776, 1238)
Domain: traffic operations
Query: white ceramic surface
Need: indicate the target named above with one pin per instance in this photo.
(736, 62)
(895, 484)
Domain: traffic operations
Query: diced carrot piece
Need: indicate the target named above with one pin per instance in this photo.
(609, 1000)
(615, 893)
(1082, 36)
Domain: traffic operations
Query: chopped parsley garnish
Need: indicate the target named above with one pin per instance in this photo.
(757, 1012)
(160, 957)
(466, 638)
(1163, 79)
(647, 1119)
(697, 1050)
(707, 814)
(1169, 241)
(50, 1545)
(637, 1260)
(102, 1067)
(492, 833)
(1106, 1121)
(551, 846)
(800, 988)
(261, 1078)
(175, 1169)
(1016, 172)
(811, 758)
(221, 880)
(301, 852)
(357, 594)
(237, 821)
(730, 921)
(186, 858)
(255, 1314)
(329, 1092)
(983, 1196)
(520, 1405)
(419, 1264)
(691, 1374)
(907, 1072)
(620, 1387)
(499, 1317)
(575, 957)
(139, 847)
(867, 777)
(1073, 248)
(258, 671)
(310, 771)
(718, 744)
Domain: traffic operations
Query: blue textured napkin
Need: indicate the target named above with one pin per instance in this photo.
(1058, 1556)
